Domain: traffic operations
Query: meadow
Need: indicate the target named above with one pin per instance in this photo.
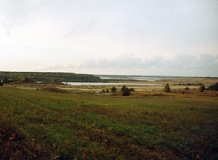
(56, 124)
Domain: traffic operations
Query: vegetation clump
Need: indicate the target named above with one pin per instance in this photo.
(113, 89)
(202, 88)
(167, 88)
(186, 88)
(213, 87)
(132, 89)
(125, 91)
(123, 88)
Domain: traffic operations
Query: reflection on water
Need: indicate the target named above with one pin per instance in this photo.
(137, 77)
(140, 80)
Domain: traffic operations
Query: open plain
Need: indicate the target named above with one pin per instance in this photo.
(56, 121)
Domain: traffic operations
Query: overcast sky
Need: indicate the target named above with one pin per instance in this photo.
(140, 37)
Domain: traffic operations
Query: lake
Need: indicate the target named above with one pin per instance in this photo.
(140, 80)
(137, 77)
(107, 84)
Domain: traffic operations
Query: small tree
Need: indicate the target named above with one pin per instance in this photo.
(202, 88)
(113, 89)
(126, 92)
(167, 88)
(123, 88)
(186, 88)
(213, 87)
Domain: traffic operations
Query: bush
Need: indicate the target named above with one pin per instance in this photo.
(132, 89)
(167, 88)
(126, 92)
(202, 88)
(123, 88)
(213, 87)
(113, 89)
(186, 88)
(1, 84)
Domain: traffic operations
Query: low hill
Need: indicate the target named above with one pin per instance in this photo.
(47, 77)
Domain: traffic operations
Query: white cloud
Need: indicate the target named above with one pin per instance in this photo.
(185, 65)
(142, 36)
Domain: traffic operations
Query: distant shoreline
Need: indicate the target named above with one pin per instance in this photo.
(108, 84)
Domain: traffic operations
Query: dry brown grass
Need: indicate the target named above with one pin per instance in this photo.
(144, 89)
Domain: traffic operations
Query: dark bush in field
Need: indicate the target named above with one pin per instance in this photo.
(113, 89)
(186, 88)
(1, 84)
(202, 88)
(213, 87)
(126, 92)
(132, 89)
(123, 88)
(167, 88)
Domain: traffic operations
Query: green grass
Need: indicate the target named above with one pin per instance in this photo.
(47, 125)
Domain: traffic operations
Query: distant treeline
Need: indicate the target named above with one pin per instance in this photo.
(188, 84)
(8, 77)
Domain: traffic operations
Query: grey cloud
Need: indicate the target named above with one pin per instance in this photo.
(206, 63)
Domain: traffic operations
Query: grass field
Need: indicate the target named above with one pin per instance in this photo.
(40, 124)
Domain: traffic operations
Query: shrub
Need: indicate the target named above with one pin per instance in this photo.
(213, 87)
(107, 91)
(123, 88)
(202, 88)
(126, 92)
(113, 89)
(186, 88)
(132, 89)
(167, 88)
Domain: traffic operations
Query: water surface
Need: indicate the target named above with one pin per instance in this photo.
(108, 84)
